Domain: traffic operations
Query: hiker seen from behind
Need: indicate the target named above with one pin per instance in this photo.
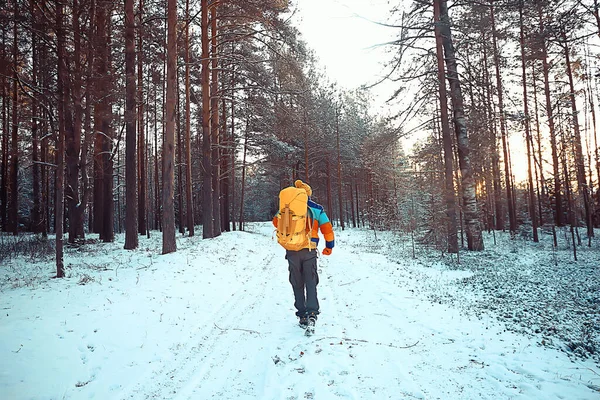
(298, 222)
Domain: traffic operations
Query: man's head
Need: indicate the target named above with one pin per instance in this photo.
(301, 185)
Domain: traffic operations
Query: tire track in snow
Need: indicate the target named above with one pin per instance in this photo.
(203, 351)
(239, 334)
(311, 367)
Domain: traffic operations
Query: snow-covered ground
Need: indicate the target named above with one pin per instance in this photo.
(216, 320)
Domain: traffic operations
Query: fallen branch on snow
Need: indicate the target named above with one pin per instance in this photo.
(349, 283)
(237, 329)
(366, 341)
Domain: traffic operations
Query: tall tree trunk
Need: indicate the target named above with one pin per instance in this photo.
(570, 208)
(507, 175)
(180, 216)
(214, 125)
(157, 178)
(207, 192)
(225, 181)
(103, 122)
(88, 133)
(446, 138)
(358, 216)
(5, 134)
(60, 168)
(473, 227)
(101, 125)
(118, 205)
(73, 133)
(339, 166)
(495, 159)
(541, 191)
(532, 211)
(188, 142)
(141, 160)
(558, 206)
(233, 146)
(243, 182)
(44, 125)
(35, 223)
(352, 213)
(131, 201)
(13, 210)
(169, 243)
(45, 189)
(305, 124)
(579, 160)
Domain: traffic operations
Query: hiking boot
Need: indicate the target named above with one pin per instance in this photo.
(303, 322)
(310, 328)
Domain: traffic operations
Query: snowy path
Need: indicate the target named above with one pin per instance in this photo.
(216, 320)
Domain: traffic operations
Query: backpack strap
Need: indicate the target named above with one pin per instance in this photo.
(310, 222)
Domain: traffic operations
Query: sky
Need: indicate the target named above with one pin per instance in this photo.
(345, 38)
(215, 320)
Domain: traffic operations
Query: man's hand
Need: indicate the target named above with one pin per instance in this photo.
(327, 251)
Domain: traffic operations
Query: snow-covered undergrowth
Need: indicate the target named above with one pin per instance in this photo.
(532, 288)
(216, 320)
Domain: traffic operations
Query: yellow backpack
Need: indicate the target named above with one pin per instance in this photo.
(292, 232)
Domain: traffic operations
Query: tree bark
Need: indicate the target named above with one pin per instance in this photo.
(570, 212)
(35, 223)
(305, 145)
(108, 232)
(131, 201)
(214, 125)
(169, 243)
(45, 123)
(495, 159)
(473, 227)
(60, 168)
(352, 213)
(579, 160)
(542, 195)
(188, 142)
(233, 147)
(558, 206)
(358, 216)
(180, 216)
(449, 198)
(339, 167)
(13, 210)
(507, 174)
(157, 178)
(207, 192)
(73, 128)
(101, 122)
(141, 160)
(243, 182)
(532, 211)
(88, 133)
(5, 135)
(225, 181)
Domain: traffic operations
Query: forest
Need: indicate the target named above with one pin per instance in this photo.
(174, 116)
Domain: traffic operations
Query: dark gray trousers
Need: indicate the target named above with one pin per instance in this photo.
(304, 276)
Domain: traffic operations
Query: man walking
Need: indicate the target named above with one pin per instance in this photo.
(302, 259)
